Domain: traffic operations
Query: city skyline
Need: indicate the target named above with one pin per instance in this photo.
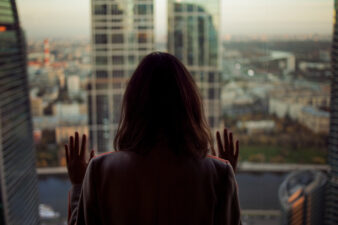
(275, 94)
(241, 17)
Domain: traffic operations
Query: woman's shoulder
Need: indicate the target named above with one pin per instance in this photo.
(219, 162)
(117, 158)
(221, 166)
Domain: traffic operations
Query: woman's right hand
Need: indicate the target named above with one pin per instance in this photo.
(228, 151)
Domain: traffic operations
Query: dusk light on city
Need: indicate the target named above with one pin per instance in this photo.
(266, 74)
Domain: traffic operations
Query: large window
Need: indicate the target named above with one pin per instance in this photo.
(263, 68)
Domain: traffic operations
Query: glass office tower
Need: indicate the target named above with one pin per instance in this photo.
(193, 37)
(122, 34)
(18, 180)
(332, 190)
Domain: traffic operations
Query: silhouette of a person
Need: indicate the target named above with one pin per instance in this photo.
(161, 172)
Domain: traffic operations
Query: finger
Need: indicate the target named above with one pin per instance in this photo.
(83, 147)
(76, 146)
(92, 155)
(67, 154)
(219, 143)
(226, 141)
(231, 149)
(71, 147)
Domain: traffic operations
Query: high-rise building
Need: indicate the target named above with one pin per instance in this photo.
(301, 196)
(18, 180)
(122, 34)
(193, 37)
(332, 190)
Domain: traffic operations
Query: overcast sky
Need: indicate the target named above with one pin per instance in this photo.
(71, 18)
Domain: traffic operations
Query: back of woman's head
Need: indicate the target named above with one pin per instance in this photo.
(162, 104)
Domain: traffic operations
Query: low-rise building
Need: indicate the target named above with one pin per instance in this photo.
(315, 119)
(37, 106)
(257, 126)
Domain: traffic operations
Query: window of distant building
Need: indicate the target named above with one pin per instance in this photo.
(178, 7)
(211, 93)
(131, 59)
(101, 84)
(201, 39)
(116, 10)
(101, 79)
(117, 101)
(100, 9)
(211, 77)
(190, 8)
(101, 60)
(140, 9)
(142, 38)
(117, 38)
(117, 73)
(101, 74)
(117, 60)
(101, 39)
(102, 108)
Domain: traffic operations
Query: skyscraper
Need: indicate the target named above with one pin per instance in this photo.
(122, 34)
(193, 37)
(301, 196)
(332, 190)
(18, 180)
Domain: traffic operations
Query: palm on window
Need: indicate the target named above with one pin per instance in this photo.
(228, 150)
(76, 158)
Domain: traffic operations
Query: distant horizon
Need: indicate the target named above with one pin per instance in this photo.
(62, 19)
(234, 37)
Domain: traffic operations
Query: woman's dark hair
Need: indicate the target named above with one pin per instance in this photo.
(162, 104)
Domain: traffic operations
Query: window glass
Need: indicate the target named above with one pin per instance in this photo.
(263, 69)
(141, 9)
(118, 73)
(101, 60)
(116, 10)
(142, 38)
(101, 74)
(117, 38)
(102, 109)
(100, 9)
(117, 101)
(117, 60)
(101, 38)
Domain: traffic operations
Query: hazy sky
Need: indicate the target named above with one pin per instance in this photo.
(71, 18)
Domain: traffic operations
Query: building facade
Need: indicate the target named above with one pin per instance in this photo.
(332, 190)
(18, 180)
(301, 197)
(122, 34)
(193, 37)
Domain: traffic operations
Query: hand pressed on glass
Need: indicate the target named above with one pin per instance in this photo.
(228, 151)
(76, 158)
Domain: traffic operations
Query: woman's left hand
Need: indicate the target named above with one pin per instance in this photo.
(228, 151)
(76, 158)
